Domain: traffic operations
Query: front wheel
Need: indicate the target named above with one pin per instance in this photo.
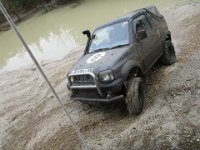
(135, 96)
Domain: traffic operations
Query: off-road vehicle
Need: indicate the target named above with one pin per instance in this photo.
(117, 57)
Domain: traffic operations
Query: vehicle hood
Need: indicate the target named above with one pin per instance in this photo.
(100, 61)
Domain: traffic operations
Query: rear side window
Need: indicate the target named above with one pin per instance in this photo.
(142, 23)
(141, 28)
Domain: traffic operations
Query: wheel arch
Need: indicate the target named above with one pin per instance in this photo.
(136, 71)
(132, 68)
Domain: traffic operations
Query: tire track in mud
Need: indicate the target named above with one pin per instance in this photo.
(95, 120)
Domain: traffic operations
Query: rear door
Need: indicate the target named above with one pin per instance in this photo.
(145, 44)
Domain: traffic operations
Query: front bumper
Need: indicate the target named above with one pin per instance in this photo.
(98, 92)
(116, 98)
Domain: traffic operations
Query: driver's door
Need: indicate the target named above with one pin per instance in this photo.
(144, 42)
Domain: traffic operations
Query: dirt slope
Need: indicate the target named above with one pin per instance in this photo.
(30, 118)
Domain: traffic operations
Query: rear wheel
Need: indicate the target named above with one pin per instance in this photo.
(135, 96)
(169, 55)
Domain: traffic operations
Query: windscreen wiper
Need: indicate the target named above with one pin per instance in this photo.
(121, 45)
(104, 49)
(101, 49)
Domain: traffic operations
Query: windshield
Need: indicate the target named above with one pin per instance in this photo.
(110, 36)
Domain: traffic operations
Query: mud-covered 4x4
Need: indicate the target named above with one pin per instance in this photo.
(117, 57)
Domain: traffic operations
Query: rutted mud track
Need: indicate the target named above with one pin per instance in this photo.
(30, 117)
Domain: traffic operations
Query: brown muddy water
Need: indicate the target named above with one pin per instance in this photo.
(53, 35)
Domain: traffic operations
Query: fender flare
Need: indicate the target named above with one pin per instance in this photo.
(128, 66)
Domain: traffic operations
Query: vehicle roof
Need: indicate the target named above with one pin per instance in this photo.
(132, 14)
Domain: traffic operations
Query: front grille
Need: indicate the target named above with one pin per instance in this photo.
(82, 80)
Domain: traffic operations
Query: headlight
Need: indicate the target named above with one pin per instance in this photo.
(106, 76)
(72, 79)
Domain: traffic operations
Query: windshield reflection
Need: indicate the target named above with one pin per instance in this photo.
(110, 36)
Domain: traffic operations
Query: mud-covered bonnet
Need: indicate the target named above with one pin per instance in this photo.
(100, 61)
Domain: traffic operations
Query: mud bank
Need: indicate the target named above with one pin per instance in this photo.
(30, 117)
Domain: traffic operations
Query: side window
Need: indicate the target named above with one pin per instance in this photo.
(141, 28)
(145, 23)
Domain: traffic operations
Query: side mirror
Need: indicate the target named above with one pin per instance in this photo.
(87, 32)
(141, 35)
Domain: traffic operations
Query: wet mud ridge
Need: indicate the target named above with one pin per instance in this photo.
(30, 117)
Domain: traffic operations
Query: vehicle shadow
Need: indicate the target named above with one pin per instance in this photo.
(117, 107)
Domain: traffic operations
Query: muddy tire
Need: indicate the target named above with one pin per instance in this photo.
(135, 96)
(169, 55)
